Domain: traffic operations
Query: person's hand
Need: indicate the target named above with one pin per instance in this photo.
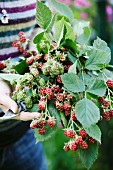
(7, 103)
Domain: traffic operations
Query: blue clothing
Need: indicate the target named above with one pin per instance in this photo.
(24, 154)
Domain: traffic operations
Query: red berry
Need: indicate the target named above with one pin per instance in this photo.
(26, 53)
(58, 79)
(48, 91)
(91, 140)
(2, 65)
(101, 100)
(30, 60)
(69, 96)
(51, 122)
(15, 43)
(41, 105)
(20, 49)
(38, 57)
(33, 124)
(72, 146)
(67, 106)
(60, 96)
(84, 145)
(82, 133)
(73, 116)
(111, 113)
(67, 113)
(34, 53)
(46, 57)
(21, 33)
(50, 97)
(66, 147)
(22, 39)
(106, 103)
(43, 90)
(41, 131)
(56, 89)
(79, 140)
(69, 133)
(109, 83)
(106, 115)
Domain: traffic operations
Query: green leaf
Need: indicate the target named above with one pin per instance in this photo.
(72, 82)
(34, 108)
(102, 45)
(38, 38)
(63, 118)
(71, 57)
(63, 9)
(71, 45)
(97, 59)
(69, 31)
(87, 112)
(79, 26)
(54, 112)
(84, 38)
(94, 132)
(59, 31)
(10, 77)
(43, 15)
(89, 155)
(21, 67)
(52, 23)
(73, 68)
(49, 133)
(96, 86)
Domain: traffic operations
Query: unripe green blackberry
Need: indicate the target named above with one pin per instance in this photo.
(34, 94)
(35, 72)
(41, 82)
(13, 82)
(20, 96)
(28, 102)
(14, 97)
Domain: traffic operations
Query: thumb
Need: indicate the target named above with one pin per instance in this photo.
(8, 103)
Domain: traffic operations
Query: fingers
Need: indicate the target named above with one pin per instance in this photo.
(25, 116)
(8, 103)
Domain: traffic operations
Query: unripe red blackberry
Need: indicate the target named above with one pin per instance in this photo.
(56, 89)
(22, 39)
(82, 133)
(101, 100)
(43, 90)
(20, 49)
(42, 105)
(111, 113)
(15, 43)
(67, 113)
(91, 140)
(84, 145)
(58, 79)
(60, 96)
(69, 133)
(21, 33)
(109, 83)
(66, 147)
(73, 115)
(38, 57)
(67, 106)
(78, 140)
(106, 103)
(26, 53)
(72, 146)
(30, 60)
(2, 65)
(33, 124)
(106, 116)
(51, 122)
(41, 131)
(69, 96)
